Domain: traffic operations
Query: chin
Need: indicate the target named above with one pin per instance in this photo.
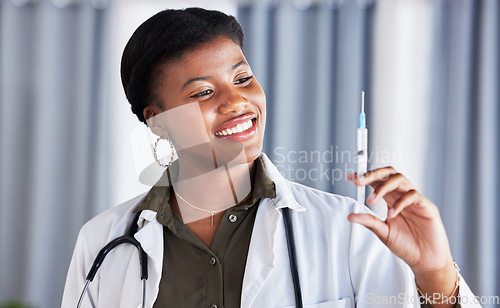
(253, 153)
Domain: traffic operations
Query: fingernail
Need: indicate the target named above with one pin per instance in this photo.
(351, 218)
(390, 213)
(371, 198)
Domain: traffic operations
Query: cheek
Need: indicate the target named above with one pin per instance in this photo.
(186, 124)
(208, 115)
(258, 98)
(255, 94)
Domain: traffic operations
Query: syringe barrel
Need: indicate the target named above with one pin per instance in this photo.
(362, 139)
(362, 160)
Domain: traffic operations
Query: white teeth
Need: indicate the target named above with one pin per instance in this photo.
(235, 129)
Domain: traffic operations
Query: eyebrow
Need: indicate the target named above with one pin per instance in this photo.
(194, 80)
(208, 77)
(238, 65)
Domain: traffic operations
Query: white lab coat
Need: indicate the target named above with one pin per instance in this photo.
(340, 264)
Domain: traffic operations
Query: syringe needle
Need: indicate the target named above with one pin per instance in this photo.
(362, 101)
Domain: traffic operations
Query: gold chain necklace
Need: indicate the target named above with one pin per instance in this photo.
(213, 212)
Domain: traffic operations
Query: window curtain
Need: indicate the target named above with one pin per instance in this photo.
(313, 60)
(54, 136)
(464, 164)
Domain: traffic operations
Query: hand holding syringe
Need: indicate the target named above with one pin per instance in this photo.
(413, 229)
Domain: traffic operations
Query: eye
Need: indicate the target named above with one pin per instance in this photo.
(243, 81)
(203, 93)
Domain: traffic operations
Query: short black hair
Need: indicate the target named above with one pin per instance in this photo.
(168, 35)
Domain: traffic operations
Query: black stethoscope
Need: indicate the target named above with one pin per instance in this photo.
(129, 238)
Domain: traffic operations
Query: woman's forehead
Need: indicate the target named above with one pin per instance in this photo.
(219, 53)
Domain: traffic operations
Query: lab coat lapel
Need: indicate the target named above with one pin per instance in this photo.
(284, 196)
(263, 245)
(261, 252)
(150, 236)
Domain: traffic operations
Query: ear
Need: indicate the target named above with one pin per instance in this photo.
(154, 120)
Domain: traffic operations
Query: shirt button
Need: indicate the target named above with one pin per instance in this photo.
(233, 218)
(214, 306)
(213, 261)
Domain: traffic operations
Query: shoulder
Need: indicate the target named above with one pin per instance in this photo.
(316, 209)
(307, 197)
(110, 223)
(324, 212)
(116, 214)
(311, 197)
(304, 195)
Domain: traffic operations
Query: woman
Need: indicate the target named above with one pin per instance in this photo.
(213, 226)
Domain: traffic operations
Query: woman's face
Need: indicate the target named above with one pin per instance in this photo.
(210, 96)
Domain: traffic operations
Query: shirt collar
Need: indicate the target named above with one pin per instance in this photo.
(157, 198)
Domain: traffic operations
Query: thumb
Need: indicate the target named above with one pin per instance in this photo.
(377, 226)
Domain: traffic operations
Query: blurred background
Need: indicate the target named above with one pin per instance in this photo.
(430, 70)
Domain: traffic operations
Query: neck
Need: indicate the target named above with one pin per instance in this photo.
(211, 186)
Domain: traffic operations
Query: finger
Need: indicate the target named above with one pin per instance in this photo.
(395, 181)
(353, 177)
(377, 226)
(409, 198)
(372, 176)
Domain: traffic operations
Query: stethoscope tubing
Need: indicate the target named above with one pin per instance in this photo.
(83, 294)
(127, 238)
(292, 257)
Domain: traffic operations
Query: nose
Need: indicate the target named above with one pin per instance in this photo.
(233, 101)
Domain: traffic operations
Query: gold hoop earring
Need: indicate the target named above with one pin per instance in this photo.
(156, 155)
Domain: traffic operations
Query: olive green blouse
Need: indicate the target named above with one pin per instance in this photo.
(193, 274)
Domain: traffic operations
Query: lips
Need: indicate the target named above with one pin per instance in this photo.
(240, 128)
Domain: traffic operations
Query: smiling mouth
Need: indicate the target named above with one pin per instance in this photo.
(242, 127)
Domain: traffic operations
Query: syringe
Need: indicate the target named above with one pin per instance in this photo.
(362, 148)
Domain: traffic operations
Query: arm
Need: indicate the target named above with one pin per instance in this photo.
(76, 277)
(413, 231)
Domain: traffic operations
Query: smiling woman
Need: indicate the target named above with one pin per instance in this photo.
(222, 227)
(217, 76)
